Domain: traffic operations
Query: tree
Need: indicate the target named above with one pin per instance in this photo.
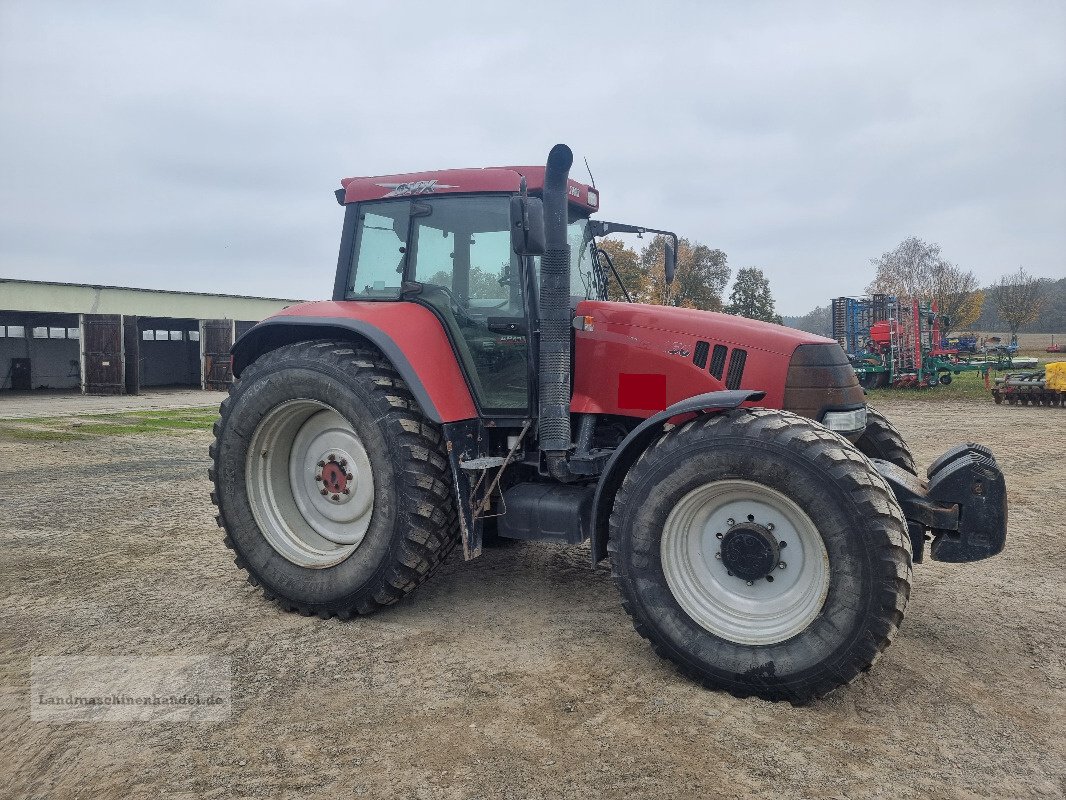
(962, 310)
(751, 296)
(819, 321)
(1020, 298)
(701, 276)
(917, 269)
(627, 263)
(483, 284)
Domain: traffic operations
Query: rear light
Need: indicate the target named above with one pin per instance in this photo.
(594, 198)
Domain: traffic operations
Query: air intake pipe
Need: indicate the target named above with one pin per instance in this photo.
(554, 435)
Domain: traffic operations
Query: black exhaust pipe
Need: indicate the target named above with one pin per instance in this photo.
(554, 433)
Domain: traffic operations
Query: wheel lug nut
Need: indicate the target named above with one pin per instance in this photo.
(321, 463)
(730, 521)
(717, 555)
(751, 583)
(335, 498)
(324, 492)
(719, 534)
(343, 462)
(332, 456)
(782, 545)
(782, 565)
(349, 476)
(769, 526)
(318, 477)
(730, 574)
(347, 491)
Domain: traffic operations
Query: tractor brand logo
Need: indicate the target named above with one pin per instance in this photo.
(678, 350)
(414, 187)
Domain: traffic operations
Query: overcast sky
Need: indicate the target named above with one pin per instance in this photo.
(196, 146)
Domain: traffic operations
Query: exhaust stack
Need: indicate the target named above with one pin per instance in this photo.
(554, 434)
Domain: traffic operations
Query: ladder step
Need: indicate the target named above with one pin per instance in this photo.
(483, 463)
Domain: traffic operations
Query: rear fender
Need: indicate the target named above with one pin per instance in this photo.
(638, 440)
(409, 336)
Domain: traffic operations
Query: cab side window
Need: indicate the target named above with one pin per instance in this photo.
(379, 254)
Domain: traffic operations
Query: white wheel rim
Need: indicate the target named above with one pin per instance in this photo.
(768, 611)
(310, 483)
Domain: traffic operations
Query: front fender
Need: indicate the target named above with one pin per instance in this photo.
(409, 336)
(638, 440)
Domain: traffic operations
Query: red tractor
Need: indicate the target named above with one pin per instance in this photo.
(470, 377)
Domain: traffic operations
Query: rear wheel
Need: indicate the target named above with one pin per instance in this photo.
(762, 554)
(332, 487)
(882, 440)
(873, 380)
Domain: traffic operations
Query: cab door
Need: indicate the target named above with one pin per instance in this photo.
(459, 251)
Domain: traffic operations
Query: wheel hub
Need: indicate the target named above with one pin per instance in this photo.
(760, 521)
(310, 483)
(334, 475)
(750, 551)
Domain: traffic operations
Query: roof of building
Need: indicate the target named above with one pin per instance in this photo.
(86, 298)
(159, 291)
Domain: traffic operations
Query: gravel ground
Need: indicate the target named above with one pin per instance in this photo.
(65, 404)
(517, 674)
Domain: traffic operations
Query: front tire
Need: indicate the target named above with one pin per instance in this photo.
(331, 485)
(882, 440)
(696, 547)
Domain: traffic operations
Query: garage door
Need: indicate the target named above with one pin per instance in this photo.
(103, 354)
(218, 339)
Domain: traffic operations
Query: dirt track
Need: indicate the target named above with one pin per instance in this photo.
(518, 674)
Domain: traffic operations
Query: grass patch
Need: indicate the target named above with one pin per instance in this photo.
(969, 386)
(26, 434)
(65, 429)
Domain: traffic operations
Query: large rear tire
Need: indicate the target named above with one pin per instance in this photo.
(332, 486)
(882, 440)
(873, 380)
(762, 554)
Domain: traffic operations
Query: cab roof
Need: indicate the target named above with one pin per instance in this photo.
(462, 181)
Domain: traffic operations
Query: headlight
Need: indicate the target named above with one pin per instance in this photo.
(845, 421)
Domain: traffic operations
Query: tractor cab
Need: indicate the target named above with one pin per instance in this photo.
(455, 242)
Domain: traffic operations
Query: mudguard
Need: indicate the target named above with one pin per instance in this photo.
(638, 440)
(409, 335)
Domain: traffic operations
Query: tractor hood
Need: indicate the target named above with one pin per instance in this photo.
(708, 326)
(635, 359)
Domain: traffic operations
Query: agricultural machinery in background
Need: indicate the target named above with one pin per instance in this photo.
(1037, 387)
(903, 342)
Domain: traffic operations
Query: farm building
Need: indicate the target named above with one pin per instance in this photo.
(113, 339)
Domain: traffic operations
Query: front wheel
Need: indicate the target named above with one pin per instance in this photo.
(762, 554)
(882, 440)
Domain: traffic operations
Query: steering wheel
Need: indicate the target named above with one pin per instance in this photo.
(453, 302)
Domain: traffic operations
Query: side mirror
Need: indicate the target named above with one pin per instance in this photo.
(527, 226)
(671, 261)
